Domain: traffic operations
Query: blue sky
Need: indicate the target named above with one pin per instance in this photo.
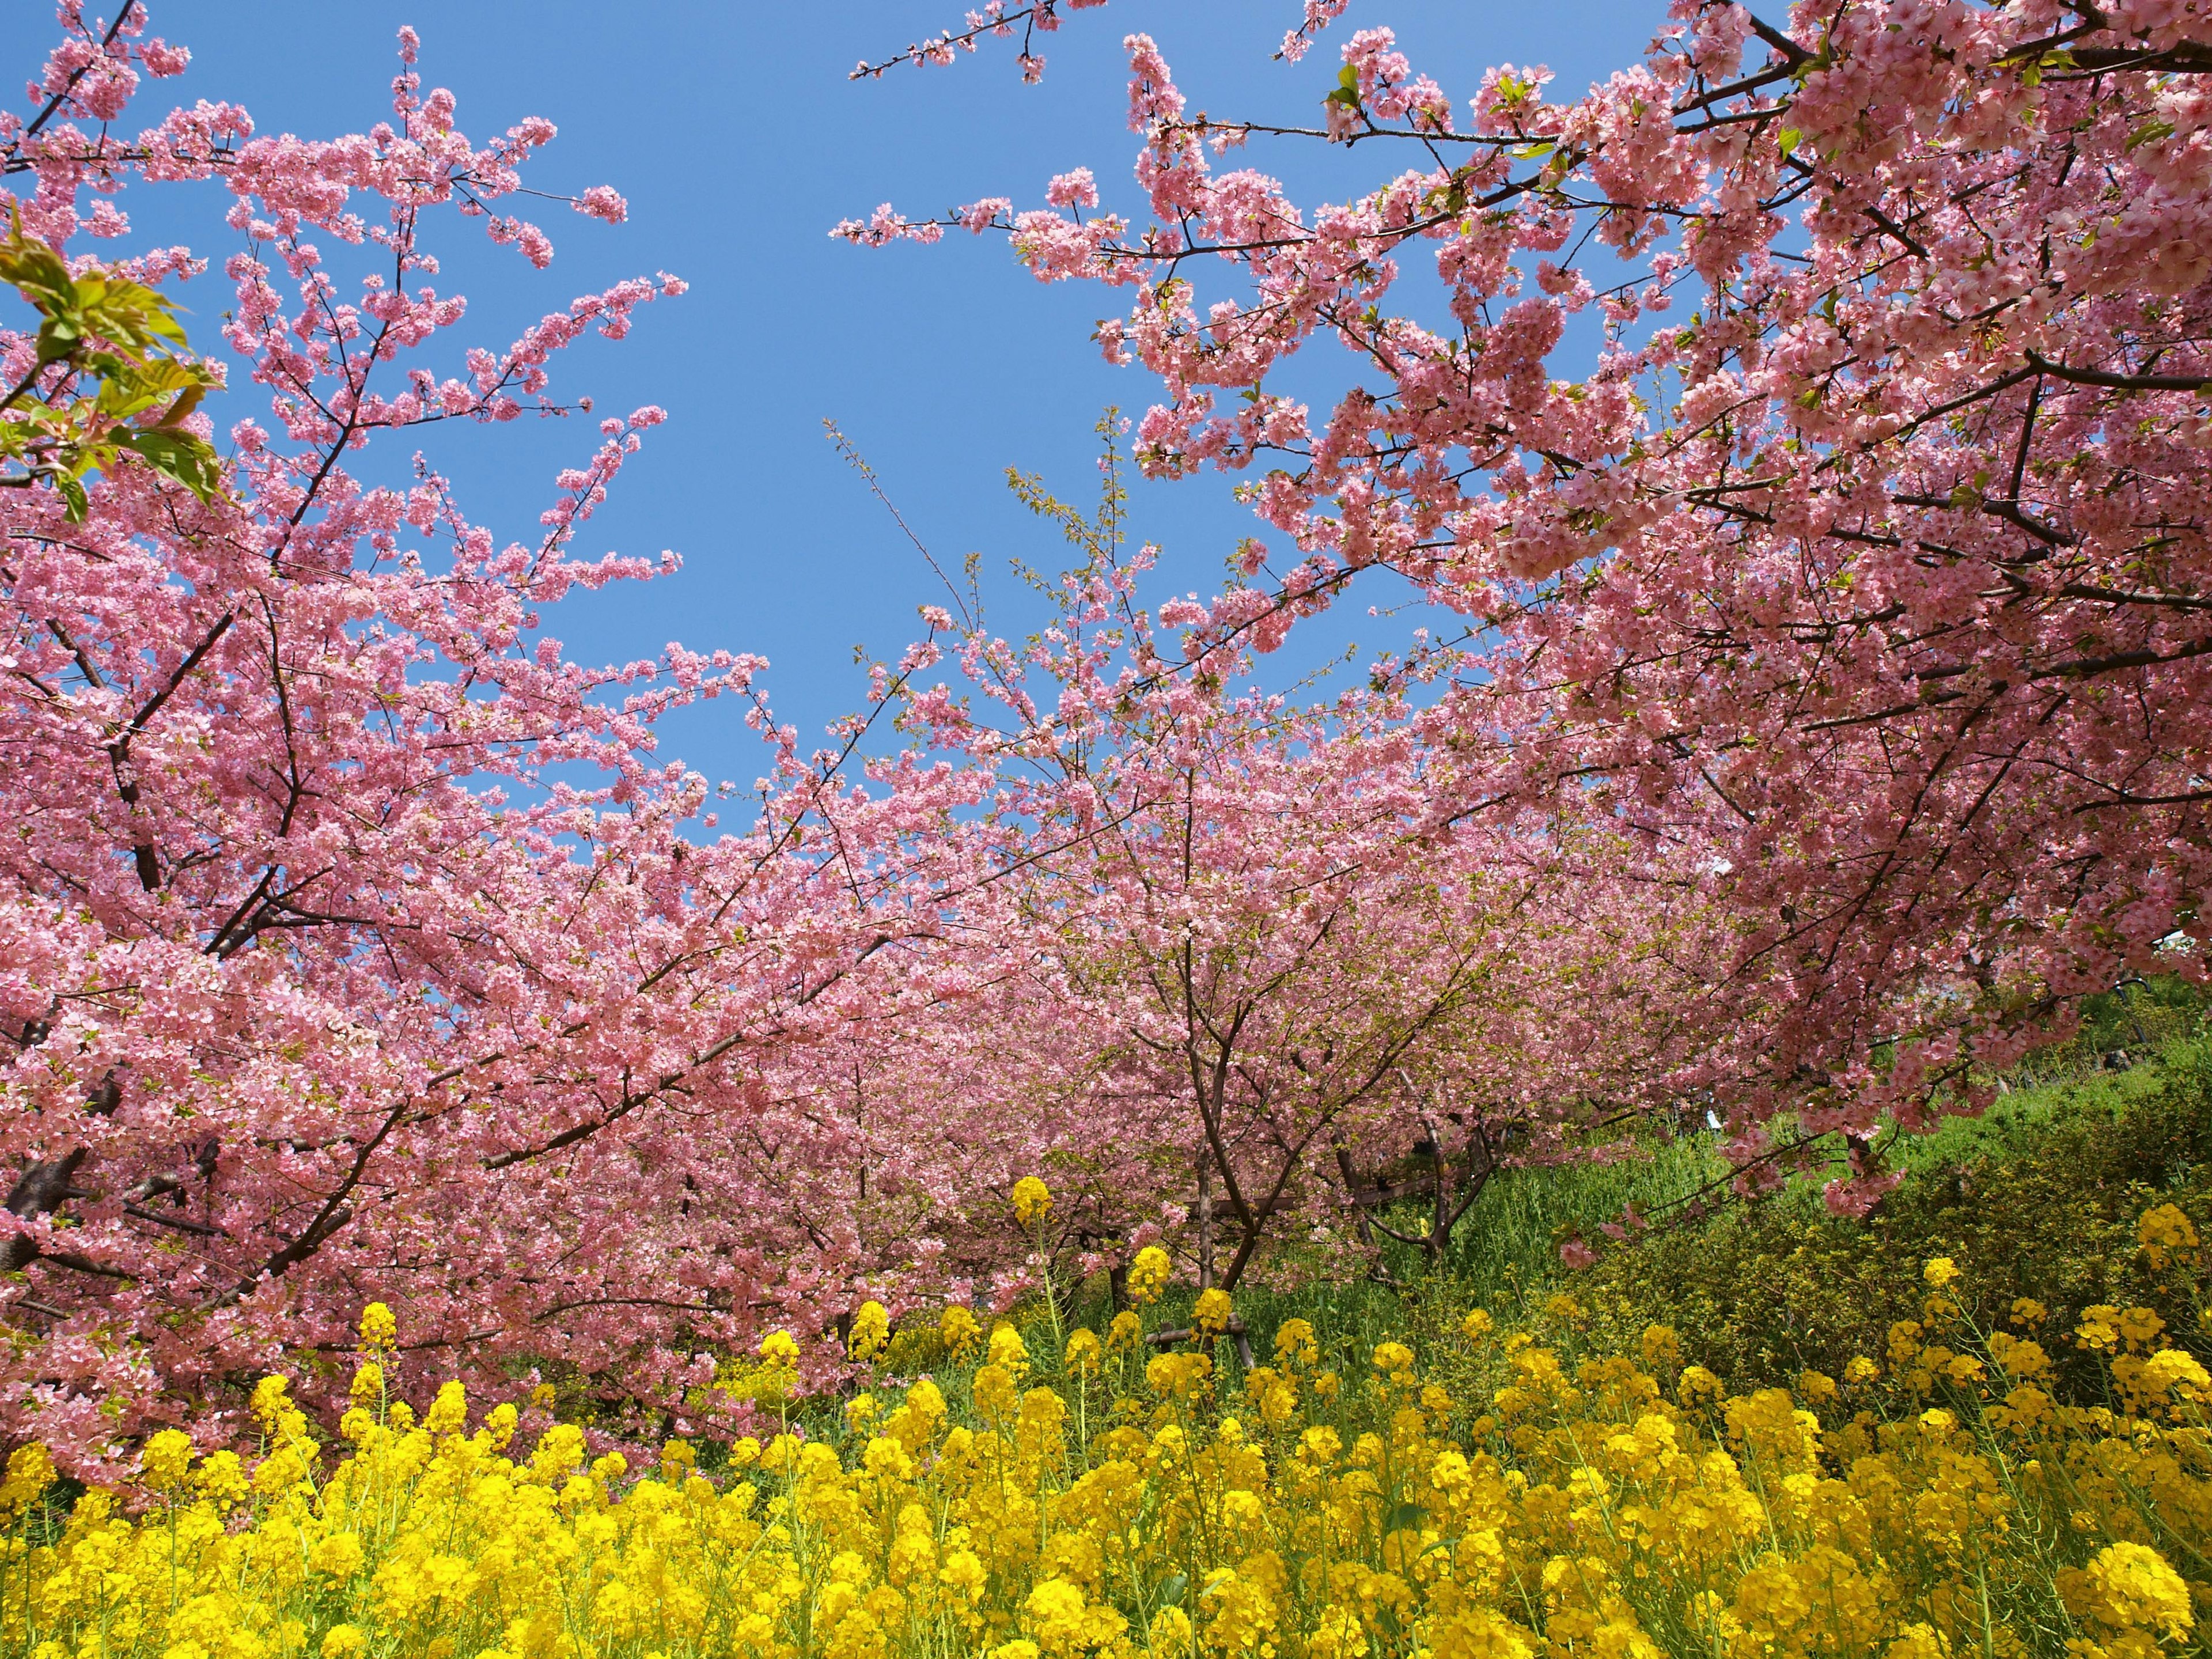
(734, 134)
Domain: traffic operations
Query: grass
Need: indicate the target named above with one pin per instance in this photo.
(2040, 1194)
(1759, 1289)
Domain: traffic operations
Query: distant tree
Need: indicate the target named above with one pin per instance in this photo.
(1277, 947)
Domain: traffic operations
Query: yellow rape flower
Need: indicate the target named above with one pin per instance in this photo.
(30, 1472)
(168, 1455)
(2139, 1327)
(1148, 1274)
(338, 1555)
(1295, 1346)
(449, 1412)
(1170, 1631)
(872, 1332)
(1338, 1634)
(2019, 1358)
(269, 1402)
(380, 1331)
(1032, 1201)
(2131, 1587)
(2098, 1329)
(1393, 1360)
(957, 1325)
(1604, 1500)
(1918, 1640)
(1211, 1314)
(1008, 1352)
(2163, 1232)
(1063, 1620)
(2174, 1370)
(1178, 1376)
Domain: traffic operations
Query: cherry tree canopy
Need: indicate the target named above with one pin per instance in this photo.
(1806, 431)
(356, 943)
(1868, 552)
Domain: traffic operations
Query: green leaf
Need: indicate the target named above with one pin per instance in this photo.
(37, 269)
(181, 455)
(1170, 1591)
(130, 314)
(59, 336)
(1789, 138)
(72, 492)
(1406, 1517)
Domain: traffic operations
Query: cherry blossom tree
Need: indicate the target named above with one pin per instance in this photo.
(1811, 432)
(357, 943)
(1274, 952)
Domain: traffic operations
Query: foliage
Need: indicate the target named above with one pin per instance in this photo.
(1487, 1496)
(109, 377)
(2040, 1201)
(2133, 1021)
(1251, 943)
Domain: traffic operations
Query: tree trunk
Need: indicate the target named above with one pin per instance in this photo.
(1205, 1218)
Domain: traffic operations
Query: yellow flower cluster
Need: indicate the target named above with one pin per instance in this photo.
(1148, 1274)
(872, 1332)
(1032, 1201)
(1212, 1312)
(1492, 1498)
(2164, 1233)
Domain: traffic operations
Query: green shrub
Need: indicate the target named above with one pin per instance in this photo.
(2040, 1200)
(2139, 1018)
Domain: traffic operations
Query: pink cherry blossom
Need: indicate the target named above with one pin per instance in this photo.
(1867, 579)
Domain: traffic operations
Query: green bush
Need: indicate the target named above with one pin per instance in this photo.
(2040, 1200)
(2139, 1018)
